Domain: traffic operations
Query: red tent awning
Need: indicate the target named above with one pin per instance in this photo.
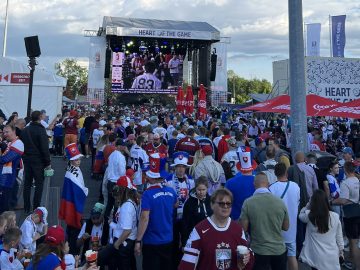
(346, 110)
(265, 105)
(317, 106)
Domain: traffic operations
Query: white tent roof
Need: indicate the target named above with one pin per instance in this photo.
(11, 71)
(14, 88)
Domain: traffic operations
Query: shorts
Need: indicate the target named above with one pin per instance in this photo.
(352, 227)
(70, 138)
(291, 249)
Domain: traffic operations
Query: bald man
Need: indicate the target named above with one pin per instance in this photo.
(267, 216)
(310, 175)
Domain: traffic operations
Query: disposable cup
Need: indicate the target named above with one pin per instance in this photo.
(242, 251)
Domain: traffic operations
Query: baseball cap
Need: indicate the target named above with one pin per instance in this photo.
(102, 123)
(55, 236)
(125, 181)
(348, 150)
(207, 150)
(97, 210)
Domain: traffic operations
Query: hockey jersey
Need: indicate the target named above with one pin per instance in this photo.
(139, 162)
(212, 248)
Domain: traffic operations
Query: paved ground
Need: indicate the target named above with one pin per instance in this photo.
(53, 186)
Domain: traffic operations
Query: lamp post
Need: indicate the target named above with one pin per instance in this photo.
(5, 28)
(32, 64)
(297, 78)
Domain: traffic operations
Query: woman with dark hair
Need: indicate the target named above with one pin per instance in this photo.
(50, 254)
(323, 237)
(331, 186)
(120, 255)
(196, 208)
(12, 119)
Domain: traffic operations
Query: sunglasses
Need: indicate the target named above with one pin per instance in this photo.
(223, 204)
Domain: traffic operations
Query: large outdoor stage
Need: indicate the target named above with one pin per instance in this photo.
(144, 56)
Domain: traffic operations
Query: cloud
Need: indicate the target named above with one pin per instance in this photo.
(258, 28)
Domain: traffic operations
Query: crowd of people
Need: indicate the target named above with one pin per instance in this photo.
(185, 193)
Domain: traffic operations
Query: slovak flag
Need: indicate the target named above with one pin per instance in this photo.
(73, 197)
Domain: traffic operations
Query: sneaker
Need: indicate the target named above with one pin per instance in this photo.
(348, 265)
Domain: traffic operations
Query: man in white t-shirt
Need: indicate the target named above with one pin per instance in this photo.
(147, 81)
(289, 192)
(174, 68)
(254, 129)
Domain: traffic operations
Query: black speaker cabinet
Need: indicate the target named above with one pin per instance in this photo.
(107, 63)
(213, 67)
(32, 46)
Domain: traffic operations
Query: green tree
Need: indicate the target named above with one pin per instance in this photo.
(243, 88)
(76, 75)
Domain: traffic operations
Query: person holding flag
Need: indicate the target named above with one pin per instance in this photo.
(73, 196)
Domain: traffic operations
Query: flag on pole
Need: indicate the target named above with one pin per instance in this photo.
(189, 101)
(180, 100)
(338, 38)
(313, 31)
(202, 103)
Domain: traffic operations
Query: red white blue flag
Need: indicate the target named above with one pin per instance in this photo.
(73, 197)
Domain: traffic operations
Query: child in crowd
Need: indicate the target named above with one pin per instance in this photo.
(71, 262)
(58, 138)
(10, 217)
(9, 257)
(33, 228)
(3, 225)
(73, 196)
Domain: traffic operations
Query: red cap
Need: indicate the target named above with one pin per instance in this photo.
(125, 181)
(207, 150)
(39, 213)
(55, 236)
(73, 113)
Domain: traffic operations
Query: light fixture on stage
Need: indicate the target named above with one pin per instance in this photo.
(130, 43)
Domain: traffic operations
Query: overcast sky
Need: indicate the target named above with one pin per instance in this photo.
(258, 28)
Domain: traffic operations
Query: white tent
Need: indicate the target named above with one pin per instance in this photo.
(14, 87)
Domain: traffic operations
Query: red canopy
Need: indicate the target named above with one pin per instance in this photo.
(189, 101)
(317, 106)
(347, 110)
(280, 104)
(202, 103)
(180, 100)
